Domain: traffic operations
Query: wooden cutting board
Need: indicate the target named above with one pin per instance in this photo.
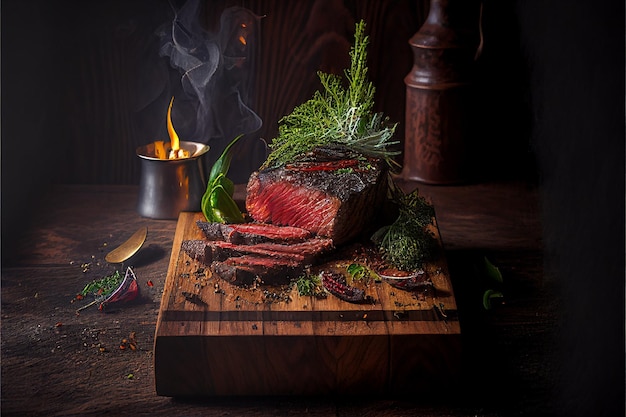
(217, 339)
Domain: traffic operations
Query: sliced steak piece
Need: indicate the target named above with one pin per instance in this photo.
(195, 249)
(304, 252)
(252, 233)
(336, 200)
(248, 269)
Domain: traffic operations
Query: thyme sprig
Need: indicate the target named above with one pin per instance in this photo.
(337, 115)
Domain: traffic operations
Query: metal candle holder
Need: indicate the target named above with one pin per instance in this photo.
(169, 186)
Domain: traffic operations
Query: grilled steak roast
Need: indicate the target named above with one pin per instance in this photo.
(208, 251)
(253, 233)
(330, 198)
(248, 269)
(268, 262)
(300, 212)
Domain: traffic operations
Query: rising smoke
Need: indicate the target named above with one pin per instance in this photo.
(216, 71)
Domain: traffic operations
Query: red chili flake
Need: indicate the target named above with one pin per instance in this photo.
(58, 324)
(150, 283)
(79, 296)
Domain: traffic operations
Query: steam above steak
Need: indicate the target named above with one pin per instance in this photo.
(337, 199)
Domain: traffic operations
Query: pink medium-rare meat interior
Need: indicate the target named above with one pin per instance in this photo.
(283, 203)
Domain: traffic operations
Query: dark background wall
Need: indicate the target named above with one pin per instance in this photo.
(549, 108)
(92, 69)
(575, 55)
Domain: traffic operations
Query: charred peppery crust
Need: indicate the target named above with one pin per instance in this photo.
(195, 249)
(336, 200)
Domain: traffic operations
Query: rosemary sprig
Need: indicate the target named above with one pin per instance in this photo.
(337, 115)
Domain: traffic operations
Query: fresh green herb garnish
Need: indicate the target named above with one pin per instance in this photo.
(407, 243)
(103, 286)
(337, 115)
(345, 170)
(310, 285)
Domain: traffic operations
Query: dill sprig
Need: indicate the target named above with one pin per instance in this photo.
(407, 243)
(337, 115)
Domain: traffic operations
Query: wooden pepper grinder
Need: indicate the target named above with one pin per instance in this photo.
(436, 148)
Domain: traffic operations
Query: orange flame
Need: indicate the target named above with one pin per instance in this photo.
(174, 141)
(159, 149)
(176, 152)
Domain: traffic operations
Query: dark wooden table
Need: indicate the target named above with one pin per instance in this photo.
(56, 362)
